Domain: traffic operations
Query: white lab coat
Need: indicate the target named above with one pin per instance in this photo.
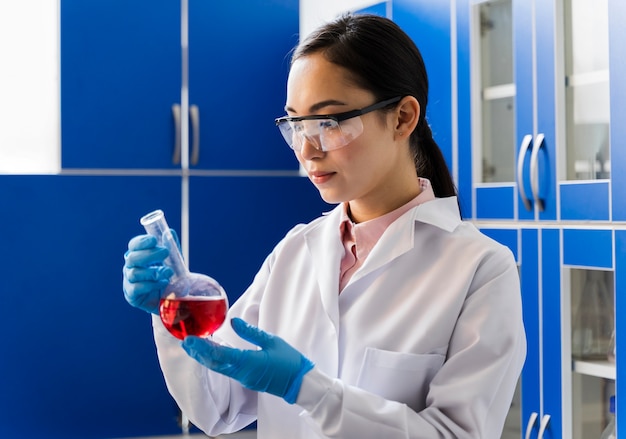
(425, 341)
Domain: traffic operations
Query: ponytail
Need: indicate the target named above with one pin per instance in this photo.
(429, 161)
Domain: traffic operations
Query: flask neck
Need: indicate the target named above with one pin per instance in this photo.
(156, 225)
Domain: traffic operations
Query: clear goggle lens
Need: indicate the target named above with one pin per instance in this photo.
(326, 134)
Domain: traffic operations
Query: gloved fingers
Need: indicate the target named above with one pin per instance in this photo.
(144, 295)
(159, 273)
(251, 333)
(145, 258)
(142, 242)
(212, 355)
(146, 288)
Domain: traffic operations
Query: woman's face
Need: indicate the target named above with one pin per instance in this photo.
(365, 170)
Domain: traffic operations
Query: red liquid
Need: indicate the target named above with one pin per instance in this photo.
(199, 316)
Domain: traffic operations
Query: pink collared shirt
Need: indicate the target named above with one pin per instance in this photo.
(359, 239)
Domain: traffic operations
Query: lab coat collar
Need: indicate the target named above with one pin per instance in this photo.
(324, 244)
(440, 212)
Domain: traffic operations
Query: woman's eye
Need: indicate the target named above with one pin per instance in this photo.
(327, 124)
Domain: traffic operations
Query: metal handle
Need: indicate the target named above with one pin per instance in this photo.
(194, 115)
(531, 424)
(176, 115)
(542, 427)
(534, 171)
(526, 141)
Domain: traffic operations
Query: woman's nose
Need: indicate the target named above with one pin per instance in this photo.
(311, 148)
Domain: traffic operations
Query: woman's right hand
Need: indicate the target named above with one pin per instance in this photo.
(145, 275)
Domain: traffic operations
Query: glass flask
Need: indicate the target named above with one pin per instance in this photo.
(593, 320)
(192, 303)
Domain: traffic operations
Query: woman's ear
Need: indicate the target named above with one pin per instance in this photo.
(407, 115)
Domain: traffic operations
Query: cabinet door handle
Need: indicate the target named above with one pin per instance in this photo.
(520, 170)
(534, 170)
(531, 424)
(194, 115)
(542, 427)
(176, 115)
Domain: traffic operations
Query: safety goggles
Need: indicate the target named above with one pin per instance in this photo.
(326, 131)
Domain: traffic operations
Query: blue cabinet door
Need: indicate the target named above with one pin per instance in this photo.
(120, 76)
(428, 25)
(77, 360)
(617, 16)
(541, 300)
(484, 109)
(552, 366)
(620, 325)
(534, 25)
(238, 66)
(235, 222)
(531, 373)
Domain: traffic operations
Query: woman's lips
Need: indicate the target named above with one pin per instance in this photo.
(320, 177)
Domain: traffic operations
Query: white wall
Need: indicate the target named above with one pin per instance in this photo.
(29, 86)
(315, 12)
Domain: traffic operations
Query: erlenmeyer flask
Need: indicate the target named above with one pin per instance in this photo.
(593, 321)
(193, 303)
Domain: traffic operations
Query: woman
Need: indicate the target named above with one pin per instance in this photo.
(388, 317)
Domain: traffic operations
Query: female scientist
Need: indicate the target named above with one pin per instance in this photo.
(388, 317)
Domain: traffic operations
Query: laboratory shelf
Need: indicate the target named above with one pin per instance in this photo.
(600, 369)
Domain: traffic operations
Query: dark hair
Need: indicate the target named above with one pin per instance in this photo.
(383, 59)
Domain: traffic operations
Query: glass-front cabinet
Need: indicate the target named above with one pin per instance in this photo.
(541, 111)
(586, 168)
(587, 90)
(496, 136)
(493, 109)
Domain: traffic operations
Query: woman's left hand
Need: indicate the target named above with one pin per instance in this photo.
(276, 368)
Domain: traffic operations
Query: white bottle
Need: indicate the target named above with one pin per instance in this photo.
(609, 431)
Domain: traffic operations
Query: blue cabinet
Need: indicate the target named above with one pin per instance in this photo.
(81, 361)
(77, 360)
(507, 99)
(235, 222)
(125, 71)
(238, 67)
(120, 75)
(534, 158)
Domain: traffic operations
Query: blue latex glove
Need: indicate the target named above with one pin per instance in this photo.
(145, 276)
(277, 368)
